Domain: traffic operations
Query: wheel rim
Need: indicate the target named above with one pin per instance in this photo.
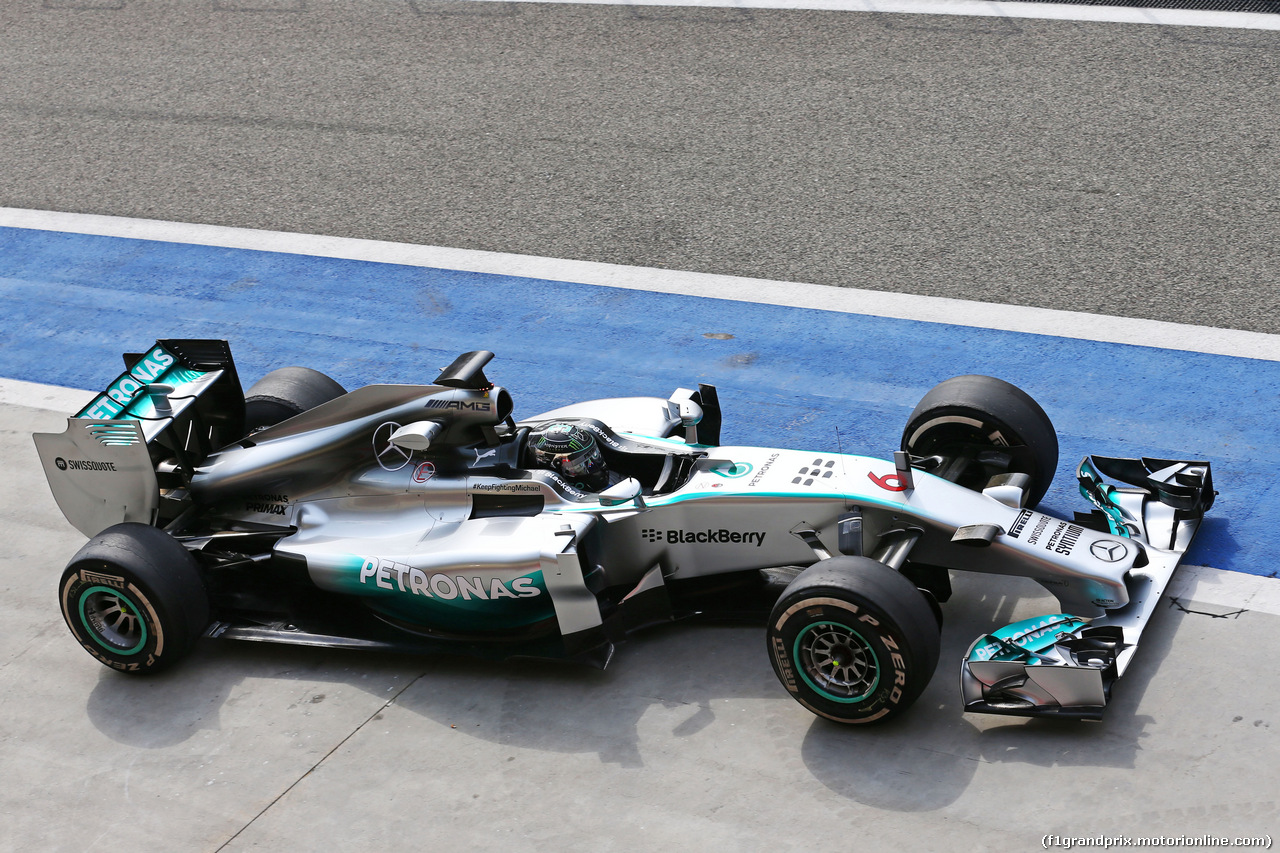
(837, 662)
(947, 430)
(951, 432)
(114, 621)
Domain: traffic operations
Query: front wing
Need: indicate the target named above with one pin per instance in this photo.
(1060, 665)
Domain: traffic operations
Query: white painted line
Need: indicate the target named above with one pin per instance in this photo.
(1014, 318)
(53, 398)
(980, 8)
(1202, 585)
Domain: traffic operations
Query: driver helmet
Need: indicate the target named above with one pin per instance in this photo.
(572, 452)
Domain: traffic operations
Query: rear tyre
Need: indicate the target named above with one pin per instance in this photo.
(853, 641)
(286, 392)
(970, 413)
(133, 597)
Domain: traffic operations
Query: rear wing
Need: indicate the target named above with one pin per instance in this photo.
(129, 453)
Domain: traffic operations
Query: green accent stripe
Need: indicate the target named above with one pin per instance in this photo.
(124, 603)
(795, 656)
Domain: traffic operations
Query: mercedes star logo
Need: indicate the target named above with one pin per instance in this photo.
(390, 457)
(1108, 551)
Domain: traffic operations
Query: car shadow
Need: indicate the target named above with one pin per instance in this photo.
(168, 708)
(545, 705)
(675, 682)
(929, 757)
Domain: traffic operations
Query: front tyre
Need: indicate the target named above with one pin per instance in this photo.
(853, 640)
(965, 415)
(133, 598)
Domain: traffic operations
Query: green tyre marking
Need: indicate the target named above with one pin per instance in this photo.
(111, 606)
(834, 648)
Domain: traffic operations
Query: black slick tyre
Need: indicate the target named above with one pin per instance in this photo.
(286, 392)
(968, 412)
(852, 640)
(134, 599)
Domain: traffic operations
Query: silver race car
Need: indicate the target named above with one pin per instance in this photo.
(418, 518)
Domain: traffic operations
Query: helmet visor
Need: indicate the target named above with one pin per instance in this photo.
(582, 464)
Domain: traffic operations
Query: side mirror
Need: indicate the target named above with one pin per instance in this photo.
(690, 413)
(616, 495)
(690, 417)
(417, 435)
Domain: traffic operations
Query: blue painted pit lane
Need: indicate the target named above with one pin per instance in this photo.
(790, 377)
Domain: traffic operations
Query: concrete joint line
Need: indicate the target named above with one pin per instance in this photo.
(269, 806)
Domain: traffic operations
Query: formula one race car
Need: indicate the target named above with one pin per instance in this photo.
(419, 518)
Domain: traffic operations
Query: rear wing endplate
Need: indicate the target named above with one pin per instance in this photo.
(146, 433)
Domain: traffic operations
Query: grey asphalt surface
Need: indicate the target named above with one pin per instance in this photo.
(1109, 168)
(686, 742)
